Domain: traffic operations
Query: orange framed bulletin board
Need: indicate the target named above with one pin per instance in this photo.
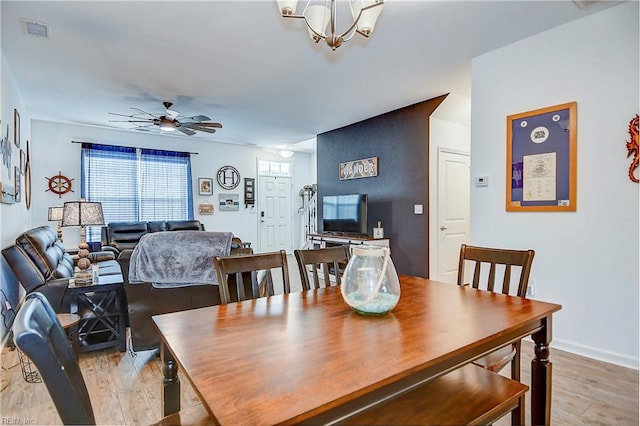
(541, 159)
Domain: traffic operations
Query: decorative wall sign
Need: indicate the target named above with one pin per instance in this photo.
(8, 194)
(633, 148)
(16, 127)
(228, 177)
(541, 159)
(205, 186)
(23, 162)
(249, 192)
(5, 144)
(205, 208)
(60, 184)
(367, 167)
(18, 186)
(229, 202)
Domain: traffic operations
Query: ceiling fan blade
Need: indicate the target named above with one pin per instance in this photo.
(198, 118)
(145, 112)
(121, 115)
(204, 129)
(131, 121)
(187, 132)
(197, 124)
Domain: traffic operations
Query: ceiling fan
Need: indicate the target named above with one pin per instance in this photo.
(168, 121)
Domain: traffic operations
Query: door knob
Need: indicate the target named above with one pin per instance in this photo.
(442, 228)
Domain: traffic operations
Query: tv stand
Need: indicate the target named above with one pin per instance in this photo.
(333, 239)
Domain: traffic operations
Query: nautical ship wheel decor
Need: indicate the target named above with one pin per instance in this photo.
(60, 184)
(228, 177)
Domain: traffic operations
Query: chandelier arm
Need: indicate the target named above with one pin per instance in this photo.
(321, 36)
(355, 22)
(347, 34)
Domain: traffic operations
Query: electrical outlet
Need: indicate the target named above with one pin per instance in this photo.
(531, 288)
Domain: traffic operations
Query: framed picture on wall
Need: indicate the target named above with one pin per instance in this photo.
(16, 127)
(17, 184)
(229, 202)
(205, 186)
(541, 159)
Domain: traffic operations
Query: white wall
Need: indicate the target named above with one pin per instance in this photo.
(14, 218)
(52, 151)
(588, 260)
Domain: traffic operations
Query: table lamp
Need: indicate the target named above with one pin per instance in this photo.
(82, 213)
(55, 214)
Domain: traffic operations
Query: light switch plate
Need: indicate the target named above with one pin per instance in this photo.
(418, 209)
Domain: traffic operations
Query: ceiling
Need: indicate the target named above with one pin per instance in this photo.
(241, 64)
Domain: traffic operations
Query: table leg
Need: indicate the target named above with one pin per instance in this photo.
(541, 376)
(121, 306)
(170, 383)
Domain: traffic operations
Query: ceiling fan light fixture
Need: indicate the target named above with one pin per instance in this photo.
(168, 126)
(321, 19)
(285, 153)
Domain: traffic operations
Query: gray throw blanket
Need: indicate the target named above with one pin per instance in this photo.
(178, 258)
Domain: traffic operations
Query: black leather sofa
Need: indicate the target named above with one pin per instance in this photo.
(40, 263)
(144, 300)
(120, 236)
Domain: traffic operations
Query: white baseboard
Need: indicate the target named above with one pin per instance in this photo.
(595, 353)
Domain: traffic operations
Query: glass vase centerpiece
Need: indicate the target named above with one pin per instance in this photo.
(370, 284)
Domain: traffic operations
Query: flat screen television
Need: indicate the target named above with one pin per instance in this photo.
(345, 214)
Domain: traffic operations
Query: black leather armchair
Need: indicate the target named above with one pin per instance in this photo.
(40, 263)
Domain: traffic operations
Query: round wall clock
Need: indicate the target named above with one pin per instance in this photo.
(60, 184)
(228, 177)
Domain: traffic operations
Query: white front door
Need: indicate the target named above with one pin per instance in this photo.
(274, 213)
(453, 212)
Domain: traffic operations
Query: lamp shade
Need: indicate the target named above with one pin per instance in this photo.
(369, 16)
(287, 7)
(82, 213)
(317, 17)
(55, 213)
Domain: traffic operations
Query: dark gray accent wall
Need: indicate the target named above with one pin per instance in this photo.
(400, 140)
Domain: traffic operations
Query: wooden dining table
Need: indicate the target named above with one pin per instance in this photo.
(308, 358)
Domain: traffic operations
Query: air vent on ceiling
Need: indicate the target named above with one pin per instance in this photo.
(37, 29)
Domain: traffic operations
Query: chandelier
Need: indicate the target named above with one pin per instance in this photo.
(321, 19)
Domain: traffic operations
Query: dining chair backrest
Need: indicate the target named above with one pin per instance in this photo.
(496, 260)
(40, 336)
(325, 262)
(256, 266)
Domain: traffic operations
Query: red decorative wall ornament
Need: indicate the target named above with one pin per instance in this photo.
(633, 148)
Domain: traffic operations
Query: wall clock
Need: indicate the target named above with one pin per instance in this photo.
(59, 184)
(228, 177)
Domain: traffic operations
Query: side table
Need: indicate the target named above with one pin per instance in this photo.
(102, 310)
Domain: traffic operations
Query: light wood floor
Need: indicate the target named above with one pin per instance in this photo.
(125, 390)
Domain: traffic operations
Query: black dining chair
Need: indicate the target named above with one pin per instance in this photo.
(322, 263)
(40, 336)
(487, 263)
(255, 267)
